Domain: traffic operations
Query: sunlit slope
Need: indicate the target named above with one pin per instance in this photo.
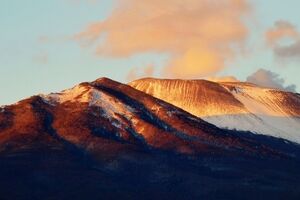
(236, 105)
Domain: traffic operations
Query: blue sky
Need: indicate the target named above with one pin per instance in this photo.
(38, 54)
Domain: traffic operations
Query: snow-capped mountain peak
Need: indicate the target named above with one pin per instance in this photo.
(232, 105)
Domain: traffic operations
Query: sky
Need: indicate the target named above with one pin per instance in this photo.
(47, 46)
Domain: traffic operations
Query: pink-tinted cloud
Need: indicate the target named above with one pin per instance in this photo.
(284, 30)
(281, 30)
(199, 35)
(223, 79)
(270, 79)
(288, 51)
(43, 39)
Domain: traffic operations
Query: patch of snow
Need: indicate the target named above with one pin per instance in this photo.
(2, 108)
(116, 124)
(110, 105)
(77, 93)
(265, 115)
(170, 113)
(237, 90)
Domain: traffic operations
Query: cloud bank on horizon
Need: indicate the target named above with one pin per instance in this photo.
(199, 36)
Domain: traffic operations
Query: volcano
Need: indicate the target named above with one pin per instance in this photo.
(232, 105)
(151, 139)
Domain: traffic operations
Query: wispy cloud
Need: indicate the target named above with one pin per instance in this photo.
(136, 73)
(281, 30)
(223, 79)
(41, 58)
(76, 2)
(199, 35)
(270, 79)
(288, 51)
(276, 35)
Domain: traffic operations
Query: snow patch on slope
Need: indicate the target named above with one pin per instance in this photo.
(77, 93)
(111, 108)
(272, 119)
(2, 108)
(109, 104)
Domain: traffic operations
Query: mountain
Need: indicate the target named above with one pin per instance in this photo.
(107, 140)
(232, 105)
